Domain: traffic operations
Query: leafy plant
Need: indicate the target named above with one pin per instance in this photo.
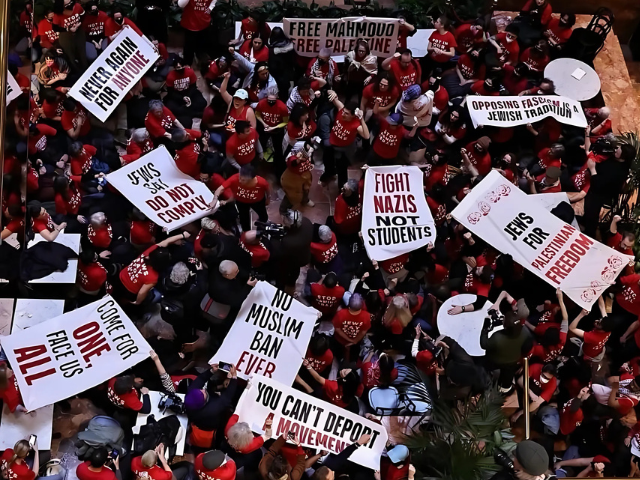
(461, 440)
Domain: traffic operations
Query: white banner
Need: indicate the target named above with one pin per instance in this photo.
(504, 217)
(317, 424)
(269, 336)
(13, 89)
(513, 111)
(340, 35)
(73, 352)
(161, 191)
(110, 77)
(395, 218)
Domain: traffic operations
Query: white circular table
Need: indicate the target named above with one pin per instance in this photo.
(565, 72)
(464, 328)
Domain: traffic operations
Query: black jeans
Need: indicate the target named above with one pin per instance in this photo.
(244, 210)
(73, 44)
(196, 43)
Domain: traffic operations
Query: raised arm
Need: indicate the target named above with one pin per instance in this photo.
(333, 98)
(573, 328)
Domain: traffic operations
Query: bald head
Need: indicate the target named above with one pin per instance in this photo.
(228, 269)
(251, 237)
(604, 112)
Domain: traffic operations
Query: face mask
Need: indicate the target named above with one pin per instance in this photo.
(510, 39)
(93, 13)
(119, 20)
(179, 69)
(271, 102)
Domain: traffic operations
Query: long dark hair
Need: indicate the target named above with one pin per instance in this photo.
(298, 110)
(255, 80)
(349, 386)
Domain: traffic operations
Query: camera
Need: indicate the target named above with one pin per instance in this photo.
(496, 319)
(268, 229)
(170, 401)
(503, 460)
(603, 146)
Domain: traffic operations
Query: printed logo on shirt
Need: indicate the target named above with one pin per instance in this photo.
(181, 84)
(41, 144)
(407, 80)
(351, 328)
(330, 254)
(326, 301)
(114, 398)
(388, 138)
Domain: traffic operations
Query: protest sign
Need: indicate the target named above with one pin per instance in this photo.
(317, 424)
(73, 352)
(504, 217)
(269, 336)
(395, 218)
(161, 191)
(110, 77)
(513, 111)
(13, 89)
(340, 35)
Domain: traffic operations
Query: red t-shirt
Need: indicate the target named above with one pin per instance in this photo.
(196, 15)
(232, 117)
(142, 232)
(261, 55)
(113, 27)
(333, 392)
(438, 210)
(594, 342)
(556, 33)
(247, 29)
(629, 297)
(371, 374)
(17, 471)
(91, 277)
(181, 81)
(100, 237)
(324, 252)
(387, 142)
(136, 150)
(138, 273)
(129, 400)
(445, 42)
(272, 115)
(480, 160)
(479, 89)
(38, 142)
(224, 472)
(247, 194)
(83, 473)
(468, 68)
(47, 35)
(510, 50)
(155, 472)
(301, 133)
(548, 353)
(395, 264)
(38, 225)
(343, 133)
(68, 20)
(545, 15)
(157, 127)
(388, 97)
(351, 324)
(569, 420)
(405, 77)
(466, 39)
(69, 120)
(94, 26)
(187, 157)
(299, 165)
(324, 299)
(512, 83)
(320, 363)
(434, 174)
(426, 362)
(259, 253)
(544, 390)
(82, 163)
(536, 64)
(242, 149)
(68, 206)
(346, 217)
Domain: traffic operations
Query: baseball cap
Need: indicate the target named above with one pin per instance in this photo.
(241, 93)
(533, 457)
(395, 119)
(213, 459)
(411, 93)
(398, 454)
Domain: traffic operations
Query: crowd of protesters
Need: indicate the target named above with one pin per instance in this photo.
(257, 123)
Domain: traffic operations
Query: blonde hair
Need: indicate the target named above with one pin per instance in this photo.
(149, 459)
(20, 451)
(239, 436)
(398, 308)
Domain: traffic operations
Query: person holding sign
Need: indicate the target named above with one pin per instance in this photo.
(159, 121)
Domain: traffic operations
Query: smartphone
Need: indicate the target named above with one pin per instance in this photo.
(225, 367)
(114, 453)
(291, 436)
(32, 440)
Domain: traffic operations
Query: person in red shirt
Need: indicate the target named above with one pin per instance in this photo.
(68, 22)
(196, 19)
(251, 243)
(323, 70)
(559, 30)
(551, 337)
(215, 465)
(538, 11)
(254, 50)
(137, 279)
(341, 392)
(48, 36)
(147, 466)
(347, 215)
(68, 201)
(442, 45)
(391, 134)
(324, 250)
(189, 145)
(348, 123)
(351, 324)
(595, 339)
(273, 116)
(326, 297)
(506, 47)
(95, 468)
(599, 122)
(296, 179)
(122, 392)
(421, 350)
(436, 171)
(117, 22)
(250, 192)
(622, 242)
(142, 231)
(469, 69)
(476, 158)
(490, 87)
(183, 97)
(42, 223)
(13, 463)
(250, 26)
(542, 386)
(300, 127)
(548, 182)
(405, 69)
(571, 414)
(14, 222)
(243, 147)
(92, 275)
(74, 119)
(9, 391)
(240, 437)
(160, 120)
(536, 57)
(94, 25)
(515, 79)
(138, 145)
(382, 87)
(397, 464)
(470, 36)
